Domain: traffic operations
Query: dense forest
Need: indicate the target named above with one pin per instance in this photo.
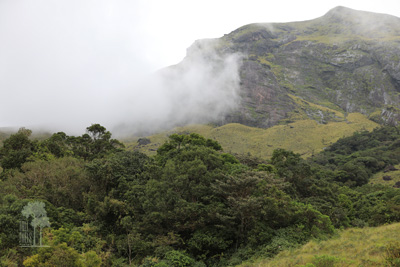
(189, 205)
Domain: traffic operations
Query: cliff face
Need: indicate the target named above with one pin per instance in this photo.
(345, 61)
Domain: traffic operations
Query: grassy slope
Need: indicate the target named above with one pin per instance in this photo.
(377, 177)
(304, 136)
(352, 247)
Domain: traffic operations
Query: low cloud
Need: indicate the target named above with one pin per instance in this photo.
(66, 65)
(203, 88)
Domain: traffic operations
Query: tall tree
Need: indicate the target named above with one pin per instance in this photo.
(96, 143)
(16, 149)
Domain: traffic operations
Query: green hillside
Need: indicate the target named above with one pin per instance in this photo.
(394, 175)
(194, 205)
(351, 247)
(305, 137)
(292, 177)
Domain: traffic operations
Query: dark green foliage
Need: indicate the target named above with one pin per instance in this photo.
(62, 181)
(60, 255)
(58, 145)
(191, 204)
(228, 158)
(178, 259)
(354, 159)
(16, 149)
(177, 142)
(10, 214)
(376, 205)
(96, 143)
(266, 167)
(112, 175)
(294, 169)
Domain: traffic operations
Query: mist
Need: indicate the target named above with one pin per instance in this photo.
(203, 88)
(65, 65)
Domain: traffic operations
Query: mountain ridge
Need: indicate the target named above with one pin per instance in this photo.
(346, 60)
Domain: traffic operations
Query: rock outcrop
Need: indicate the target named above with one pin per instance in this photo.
(345, 61)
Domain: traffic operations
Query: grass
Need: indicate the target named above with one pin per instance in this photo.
(351, 247)
(348, 28)
(304, 136)
(377, 178)
(306, 105)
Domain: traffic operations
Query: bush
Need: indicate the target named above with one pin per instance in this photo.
(178, 259)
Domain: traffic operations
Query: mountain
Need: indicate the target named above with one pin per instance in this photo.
(343, 62)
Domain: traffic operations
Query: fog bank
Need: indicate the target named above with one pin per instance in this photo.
(203, 88)
(65, 65)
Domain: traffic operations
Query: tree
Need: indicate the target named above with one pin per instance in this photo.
(294, 169)
(96, 131)
(181, 142)
(96, 143)
(16, 149)
(10, 215)
(58, 145)
(61, 181)
(60, 255)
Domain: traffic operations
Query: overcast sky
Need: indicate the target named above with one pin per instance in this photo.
(64, 62)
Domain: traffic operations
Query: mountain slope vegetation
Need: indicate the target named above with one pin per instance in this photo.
(306, 137)
(191, 204)
(283, 169)
(352, 247)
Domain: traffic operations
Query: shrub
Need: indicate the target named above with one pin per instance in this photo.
(178, 259)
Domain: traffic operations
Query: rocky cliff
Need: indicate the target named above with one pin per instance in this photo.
(345, 61)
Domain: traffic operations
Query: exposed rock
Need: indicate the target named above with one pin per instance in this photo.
(387, 178)
(143, 141)
(389, 168)
(346, 60)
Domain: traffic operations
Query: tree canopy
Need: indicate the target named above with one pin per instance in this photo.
(189, 205)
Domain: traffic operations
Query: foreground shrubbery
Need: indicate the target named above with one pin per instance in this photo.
(190, 205)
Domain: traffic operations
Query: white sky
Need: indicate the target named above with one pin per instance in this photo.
(62, 60)
(177, 23)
